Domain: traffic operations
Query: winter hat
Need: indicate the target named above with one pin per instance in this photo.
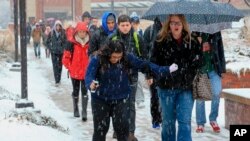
(86, 14)
(134, 14)
(134, 18)
(111, 18)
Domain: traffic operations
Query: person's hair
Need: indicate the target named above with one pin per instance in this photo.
(86, 14)
(124, 18)
(112, 46)
(165, 31)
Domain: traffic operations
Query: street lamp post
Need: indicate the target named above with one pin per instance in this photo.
(24, 87)
(15, 3)
(22, 7)
(73, 9)
(112, 6)
(16, 65)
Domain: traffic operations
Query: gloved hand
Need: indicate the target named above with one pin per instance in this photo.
(173, 68)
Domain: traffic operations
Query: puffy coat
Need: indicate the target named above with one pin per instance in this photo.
(75, 57)
(114, 82)
(56, 41)
(185, 56)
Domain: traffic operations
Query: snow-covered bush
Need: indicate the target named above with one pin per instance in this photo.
(35, 117)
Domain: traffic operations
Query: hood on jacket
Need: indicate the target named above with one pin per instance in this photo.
(104, 22)
(56, 23)
(81, 26)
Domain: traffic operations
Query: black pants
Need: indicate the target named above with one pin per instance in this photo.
(154, 105)
(77, 84)
(57, 66)
(132, 111)
(102, 111)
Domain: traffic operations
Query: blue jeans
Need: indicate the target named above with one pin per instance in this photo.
(215, 80)
(37, 49)
(176, 105)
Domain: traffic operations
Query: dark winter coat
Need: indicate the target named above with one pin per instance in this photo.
(75, 57)
(150, 35)
(218, 53)
(114, 82)
(98, 39)
(218, 57)
(55, 43)
(129, 42)
(130, 47)
(185, 56)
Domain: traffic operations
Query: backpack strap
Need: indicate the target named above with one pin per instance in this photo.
(114, 38)
(135, 36)
(137, 43)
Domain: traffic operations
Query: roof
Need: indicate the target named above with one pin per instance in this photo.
(134, 4)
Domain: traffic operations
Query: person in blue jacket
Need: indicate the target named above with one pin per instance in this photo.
(100, 36)
(111, 68)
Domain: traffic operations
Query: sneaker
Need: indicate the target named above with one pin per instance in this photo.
(200, 129)
(215, 126)
(156, 126)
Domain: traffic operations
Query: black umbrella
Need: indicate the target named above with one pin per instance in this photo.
(196, 11)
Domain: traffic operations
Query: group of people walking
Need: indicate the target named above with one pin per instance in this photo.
(106, 60)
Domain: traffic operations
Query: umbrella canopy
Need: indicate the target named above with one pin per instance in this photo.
(211, 28)
(196, 12)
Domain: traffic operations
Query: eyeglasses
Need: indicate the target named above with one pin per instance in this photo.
(172, 23)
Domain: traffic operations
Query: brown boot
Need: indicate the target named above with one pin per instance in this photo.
(132, 137)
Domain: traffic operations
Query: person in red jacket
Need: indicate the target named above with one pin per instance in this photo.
(75, 59)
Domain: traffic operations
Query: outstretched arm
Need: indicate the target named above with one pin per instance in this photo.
(146, 66)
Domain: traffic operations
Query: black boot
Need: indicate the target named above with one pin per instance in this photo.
(75, 105)
(84, 107)
(114, 135)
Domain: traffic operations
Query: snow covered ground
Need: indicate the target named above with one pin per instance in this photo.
(237, 50)
(56, 121)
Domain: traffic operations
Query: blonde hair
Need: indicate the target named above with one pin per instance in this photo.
(166, 33)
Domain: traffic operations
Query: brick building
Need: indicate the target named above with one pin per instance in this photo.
(59, 9)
